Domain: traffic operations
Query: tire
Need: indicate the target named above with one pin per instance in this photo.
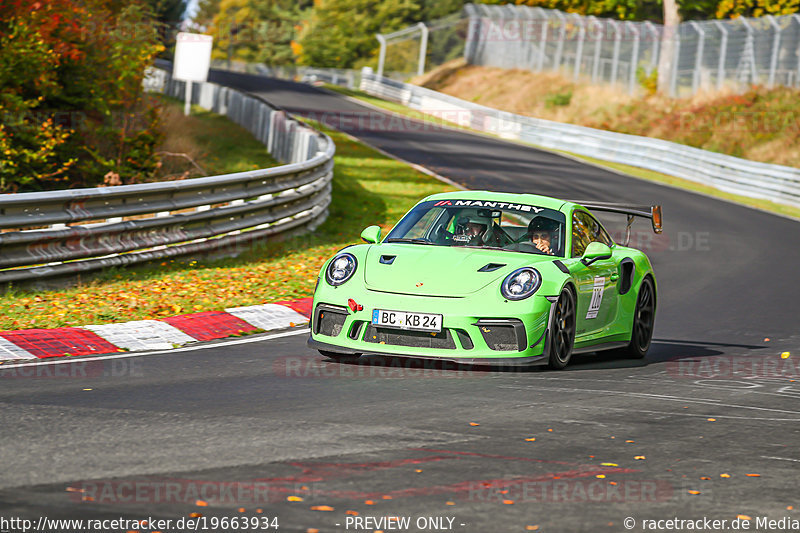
(338, 357)
(562, 331)
(643, 320)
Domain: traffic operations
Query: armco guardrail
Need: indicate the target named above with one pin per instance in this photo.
(72, 231)
(337, 76)
(727, 173)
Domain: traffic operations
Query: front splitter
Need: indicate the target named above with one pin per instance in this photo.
(534, 360)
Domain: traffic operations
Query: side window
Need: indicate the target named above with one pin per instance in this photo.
(581, 237)
(599, 233)
(586, 229)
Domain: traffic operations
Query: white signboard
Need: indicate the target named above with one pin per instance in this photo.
(192, 57)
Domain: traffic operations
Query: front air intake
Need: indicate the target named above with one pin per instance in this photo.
(503, 334)
(329, 319)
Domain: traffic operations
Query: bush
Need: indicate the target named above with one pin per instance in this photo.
(558, 99)
(649, 82)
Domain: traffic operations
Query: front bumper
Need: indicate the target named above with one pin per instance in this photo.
(474, 331)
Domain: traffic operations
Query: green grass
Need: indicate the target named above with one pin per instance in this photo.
(635, 172)
(218, 145)
(368, 188)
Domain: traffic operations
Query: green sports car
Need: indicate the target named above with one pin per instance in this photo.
(481, 277)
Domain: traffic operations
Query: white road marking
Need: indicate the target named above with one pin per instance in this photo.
(704, 401)
(780, 458)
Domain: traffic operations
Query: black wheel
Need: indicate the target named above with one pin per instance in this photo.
(562, 330)
(338, 357)
(643, 319)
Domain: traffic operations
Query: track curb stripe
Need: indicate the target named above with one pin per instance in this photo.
(147, 335)
(10, 351)
(59, 342)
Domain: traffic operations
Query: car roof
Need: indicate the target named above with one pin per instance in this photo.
(519, 198)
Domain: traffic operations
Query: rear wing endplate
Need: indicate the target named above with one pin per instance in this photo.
(653, 212)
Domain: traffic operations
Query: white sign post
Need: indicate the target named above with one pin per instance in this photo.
(192, 60)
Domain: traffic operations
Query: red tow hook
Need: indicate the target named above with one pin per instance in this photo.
(354, 306)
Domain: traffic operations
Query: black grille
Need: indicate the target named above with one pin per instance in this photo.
(414, 339)
(500, 338)
(464, 339)
(330, 322)
(355, 329)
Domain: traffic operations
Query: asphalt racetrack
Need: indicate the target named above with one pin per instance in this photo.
(706, 427)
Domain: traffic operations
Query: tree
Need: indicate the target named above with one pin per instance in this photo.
(279, 24)
(756, 8)
(667, 59)
(340, 32)
(71, 100)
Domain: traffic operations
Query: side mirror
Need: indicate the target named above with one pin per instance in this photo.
(371, 234)
(595, 250)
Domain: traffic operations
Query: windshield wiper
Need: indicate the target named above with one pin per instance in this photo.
(485, 247)
(412, 241)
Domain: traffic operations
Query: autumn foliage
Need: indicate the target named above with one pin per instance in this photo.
(72, 109)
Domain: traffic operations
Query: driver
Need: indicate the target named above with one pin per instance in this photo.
(541, 231)
(472, 226)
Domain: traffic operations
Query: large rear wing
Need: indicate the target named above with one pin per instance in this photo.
(653, 212)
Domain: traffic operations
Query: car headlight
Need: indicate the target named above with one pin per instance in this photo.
(521, 283)
(340, 269)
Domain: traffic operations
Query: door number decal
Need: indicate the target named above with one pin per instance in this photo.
(597, 297)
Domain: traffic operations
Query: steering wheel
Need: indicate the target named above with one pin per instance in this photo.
(498, 234)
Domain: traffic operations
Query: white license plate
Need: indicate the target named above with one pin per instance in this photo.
(405, 320)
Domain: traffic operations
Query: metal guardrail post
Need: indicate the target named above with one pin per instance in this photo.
(656, 41)
(579, 49)
(472, 33)
(597, 40)
(562, 35)
(617, 42)
(776, 43)
(723, 51)
(796, 18)
(381, 54)
(634, 57)
(701, 36)
(673, 85)
(543, 39)
(749, 50)
(423, 48)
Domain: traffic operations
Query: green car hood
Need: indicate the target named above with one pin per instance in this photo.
(439, 270)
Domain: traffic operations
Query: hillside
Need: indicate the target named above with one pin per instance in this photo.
(761, 124)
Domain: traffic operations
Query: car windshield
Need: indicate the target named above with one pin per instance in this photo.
(482, 224)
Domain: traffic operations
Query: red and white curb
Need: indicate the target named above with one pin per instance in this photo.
(161, 334)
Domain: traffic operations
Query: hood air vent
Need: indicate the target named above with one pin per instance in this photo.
(491, 267)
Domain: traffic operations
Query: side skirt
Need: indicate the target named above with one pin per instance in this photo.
(599, 347)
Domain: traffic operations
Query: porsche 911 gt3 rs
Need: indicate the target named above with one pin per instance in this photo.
(481, 277)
